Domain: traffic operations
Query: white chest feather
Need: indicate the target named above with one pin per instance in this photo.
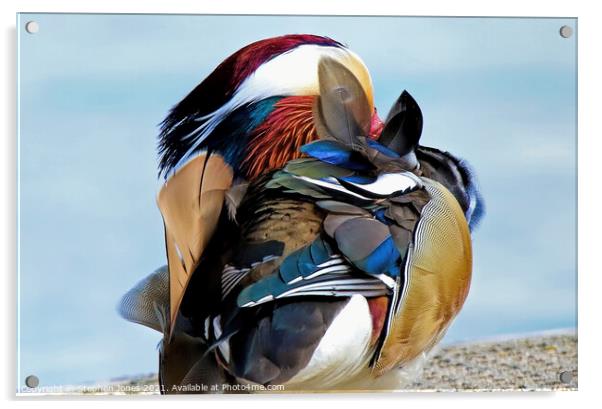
(343, 352)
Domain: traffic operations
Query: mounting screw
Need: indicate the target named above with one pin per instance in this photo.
(32, 381)
(32, 27)
(566, 31)
(565, 377)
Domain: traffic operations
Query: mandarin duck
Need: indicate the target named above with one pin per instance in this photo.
(308, 244)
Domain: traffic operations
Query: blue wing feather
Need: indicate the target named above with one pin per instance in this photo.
(385, 259)
(361, 179)
(381, 148)
(337, 154)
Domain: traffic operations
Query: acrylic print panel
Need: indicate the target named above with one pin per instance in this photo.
(296, 222)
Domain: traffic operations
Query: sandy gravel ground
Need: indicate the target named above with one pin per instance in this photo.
(534, 363)
(543, 362)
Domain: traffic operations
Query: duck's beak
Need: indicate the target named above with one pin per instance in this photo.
(376, 126)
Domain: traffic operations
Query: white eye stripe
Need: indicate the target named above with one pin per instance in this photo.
(291, 73)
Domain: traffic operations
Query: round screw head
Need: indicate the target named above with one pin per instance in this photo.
(566, 377)
(566, 31)
(32, 381)
(32, 27)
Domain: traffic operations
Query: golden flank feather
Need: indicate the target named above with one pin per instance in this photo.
(191, 202)
(438, 281)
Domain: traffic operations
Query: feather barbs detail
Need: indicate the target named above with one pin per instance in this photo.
(280, 137)
(236, 81)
